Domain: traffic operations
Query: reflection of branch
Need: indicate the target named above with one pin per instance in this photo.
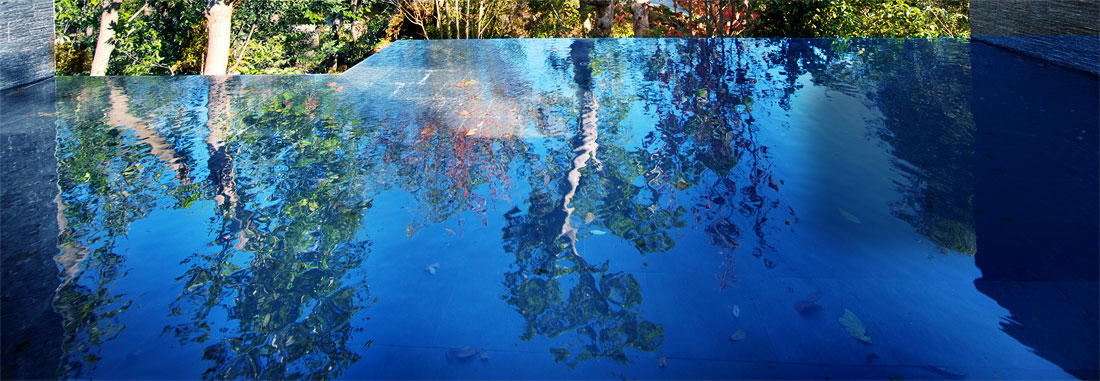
(120, 116)
(586, 150)
(220, 162)
(73, 253)
(582, 75)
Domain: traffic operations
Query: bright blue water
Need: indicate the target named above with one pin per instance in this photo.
(597, 209)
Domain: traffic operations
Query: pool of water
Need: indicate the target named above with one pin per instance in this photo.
(700, 208)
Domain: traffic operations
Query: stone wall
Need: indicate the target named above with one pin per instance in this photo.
(32, 334)
(1066, 32)
(26, 41)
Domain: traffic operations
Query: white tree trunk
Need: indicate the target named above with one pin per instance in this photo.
(104, 46)
(605, 16)
(219, 19)
(640, 9)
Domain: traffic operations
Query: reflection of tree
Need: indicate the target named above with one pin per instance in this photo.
(921, 88)
(464, 137)
(443, 166)
(705, 139)
(106, 184)
(120, 115)
(602, 309)
(293, 302)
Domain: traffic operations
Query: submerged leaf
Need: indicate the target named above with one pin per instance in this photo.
(849, 216)
(809, 304)
(854, 326)
(465, 352)
(739, 335)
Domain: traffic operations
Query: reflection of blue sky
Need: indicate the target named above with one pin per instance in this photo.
(920, 306)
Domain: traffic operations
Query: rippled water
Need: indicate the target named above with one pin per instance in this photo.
(550, 208)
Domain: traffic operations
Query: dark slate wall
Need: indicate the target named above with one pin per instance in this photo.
(26, 41)
(31, 333)
(1062, 31)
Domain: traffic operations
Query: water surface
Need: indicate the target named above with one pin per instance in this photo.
(740, 208)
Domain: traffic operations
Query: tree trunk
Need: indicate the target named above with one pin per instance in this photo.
(438, 18)
(640, 9)
(605, 16)
(457, 14)
(105, 45)
(219, 20)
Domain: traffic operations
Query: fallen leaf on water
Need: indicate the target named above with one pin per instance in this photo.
(736, 311)
(772, 184)
(854, 326)
(330, 84)
(849, 216)
(463, 113)
(739, 335)
(449, 230)
(339, 89)
(464, 84)
(470, 132)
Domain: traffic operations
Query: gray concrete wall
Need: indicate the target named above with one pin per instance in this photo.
(26, 41)
(1066, 32)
